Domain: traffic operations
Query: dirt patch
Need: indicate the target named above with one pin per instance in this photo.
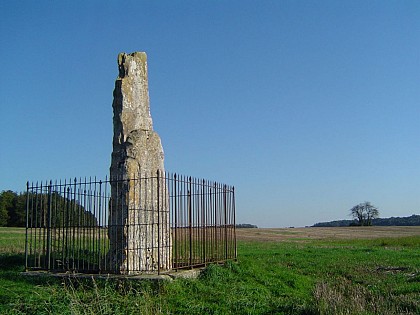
(319, 233)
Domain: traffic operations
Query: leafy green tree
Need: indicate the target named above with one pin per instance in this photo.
(12, 209)
(364, 213)
(7, 204)
(4, 216)
(17, 214)
(65, 211)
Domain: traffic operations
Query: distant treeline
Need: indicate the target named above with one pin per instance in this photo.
(413, 220)
(64, 211)
(246, 226)
(12, 209)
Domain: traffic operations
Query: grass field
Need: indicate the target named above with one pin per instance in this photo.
(373, 270)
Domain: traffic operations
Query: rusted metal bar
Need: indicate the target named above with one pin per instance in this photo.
(27, 225)
(48, 227)
(190, 221)
(158, 217)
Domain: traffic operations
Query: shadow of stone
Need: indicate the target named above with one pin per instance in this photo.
(12, 261)
(12, 266)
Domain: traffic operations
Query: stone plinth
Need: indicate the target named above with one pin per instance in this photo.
(139, 230)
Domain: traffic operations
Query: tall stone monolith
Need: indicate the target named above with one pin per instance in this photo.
(139, 231)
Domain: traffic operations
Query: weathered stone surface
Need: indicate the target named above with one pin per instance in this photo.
(139, 229)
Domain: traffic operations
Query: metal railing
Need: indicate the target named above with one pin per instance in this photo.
(149, 224)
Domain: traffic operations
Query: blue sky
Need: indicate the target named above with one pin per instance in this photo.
(306, 107)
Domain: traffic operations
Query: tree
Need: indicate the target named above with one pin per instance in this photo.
(12, 208)
(7, 203)
(65, 211)
(364, 213)
(17, 214)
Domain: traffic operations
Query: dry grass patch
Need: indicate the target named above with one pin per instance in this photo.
(345, 297)
(330, 233)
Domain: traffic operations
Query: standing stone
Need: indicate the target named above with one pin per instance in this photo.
(139, 231)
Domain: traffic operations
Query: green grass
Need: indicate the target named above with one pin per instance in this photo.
(378, 276)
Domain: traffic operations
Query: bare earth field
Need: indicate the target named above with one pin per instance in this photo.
(319, 233)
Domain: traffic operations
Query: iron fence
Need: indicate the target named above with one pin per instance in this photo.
(149, 224)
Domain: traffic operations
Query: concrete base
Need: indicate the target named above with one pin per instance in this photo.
(168, 276)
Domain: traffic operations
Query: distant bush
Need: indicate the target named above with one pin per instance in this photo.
(246, 226)
(413, 220)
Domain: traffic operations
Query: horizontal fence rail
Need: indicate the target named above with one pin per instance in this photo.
(149, 224)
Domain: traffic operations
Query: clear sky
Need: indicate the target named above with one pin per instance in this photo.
(306, 107)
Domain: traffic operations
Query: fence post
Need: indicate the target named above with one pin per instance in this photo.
(175, 224)
(99, 223)
(216, 239)
(190, 218)
(225, 225)
(48, 254)
(158, 218)
(234, 221)
(204, 221)
(27, 226)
